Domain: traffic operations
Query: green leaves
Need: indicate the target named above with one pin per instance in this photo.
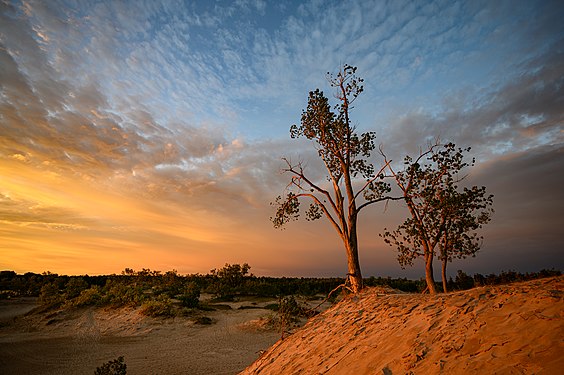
(443, 216)
(287, 209)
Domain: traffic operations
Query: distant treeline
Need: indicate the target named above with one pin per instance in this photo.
(225, 284)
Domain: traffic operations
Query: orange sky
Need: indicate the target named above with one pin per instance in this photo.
(151, 136)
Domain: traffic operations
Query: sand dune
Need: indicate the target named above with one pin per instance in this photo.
(508, 329)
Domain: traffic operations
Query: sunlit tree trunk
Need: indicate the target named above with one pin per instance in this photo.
(354, 273)
(429, 279)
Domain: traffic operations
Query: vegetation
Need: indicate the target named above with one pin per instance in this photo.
(158, 307)
(345, 155)
(114, 367)
(443, 218)
(148, 292)
(228, 279)
(289, 311)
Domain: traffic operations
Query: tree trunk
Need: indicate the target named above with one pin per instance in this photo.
(354, 274)
(429, 274)
(443, 274)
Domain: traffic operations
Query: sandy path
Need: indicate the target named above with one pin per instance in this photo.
(77, 343)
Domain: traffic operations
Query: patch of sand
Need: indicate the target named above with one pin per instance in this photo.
(76, 342)
(508, 329)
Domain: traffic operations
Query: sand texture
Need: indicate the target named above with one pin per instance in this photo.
(77, 342)
(506, 329)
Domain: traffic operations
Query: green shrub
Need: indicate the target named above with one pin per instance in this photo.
(114, 367)
(190, 295)
(74, 287)
(289, 312)
(290, 307)
(88, 297)
(120, 294)
(50, 294)
(162, 306)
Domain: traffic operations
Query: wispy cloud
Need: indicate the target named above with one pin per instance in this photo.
(148, 125)
(513, 117)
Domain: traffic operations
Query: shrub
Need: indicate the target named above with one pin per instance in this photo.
(74, 287)
(162, 306)
(49, 294)
(122, 294)
(289, 311)
(88, 297)
(114, 367)
(203, 320)
(190, 295)
(290, 307)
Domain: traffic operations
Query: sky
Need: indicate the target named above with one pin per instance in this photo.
(147, 134)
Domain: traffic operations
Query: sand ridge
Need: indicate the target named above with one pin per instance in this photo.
(506, 329)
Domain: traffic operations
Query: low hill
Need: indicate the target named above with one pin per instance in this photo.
(506, 329)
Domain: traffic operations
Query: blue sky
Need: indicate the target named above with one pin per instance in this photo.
(150, 133)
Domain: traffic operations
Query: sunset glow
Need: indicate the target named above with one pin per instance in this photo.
(150, 135)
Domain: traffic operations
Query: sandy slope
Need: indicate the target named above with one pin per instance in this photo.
(510, 329)
(77, 342)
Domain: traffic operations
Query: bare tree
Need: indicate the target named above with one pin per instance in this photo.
(441, 216)
(351, 181)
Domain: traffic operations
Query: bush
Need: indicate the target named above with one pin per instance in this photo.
(49, 294)
(190, 295)
(119, 294)
(88, 297)
(203, 320)
(289, 312)
(289, 306)
(74, 287)
(162, 306)
(114, 367)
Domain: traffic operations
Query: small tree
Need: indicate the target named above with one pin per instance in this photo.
(229, 278)
(441, 216)
(468, 210)
(352, 183)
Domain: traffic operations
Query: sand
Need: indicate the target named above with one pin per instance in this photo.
(77, 342)
(507, 329)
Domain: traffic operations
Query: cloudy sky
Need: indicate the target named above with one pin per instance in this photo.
(149, 134)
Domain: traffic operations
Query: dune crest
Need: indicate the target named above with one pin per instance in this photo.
(505, 329)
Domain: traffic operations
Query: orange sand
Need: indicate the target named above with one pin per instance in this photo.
(507, 329)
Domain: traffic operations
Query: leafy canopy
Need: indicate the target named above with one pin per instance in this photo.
(344, 153)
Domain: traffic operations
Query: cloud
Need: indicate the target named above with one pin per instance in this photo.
(139, 122)
(516, 116)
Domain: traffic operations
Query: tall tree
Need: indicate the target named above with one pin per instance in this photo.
(441, 216)
(351, 181)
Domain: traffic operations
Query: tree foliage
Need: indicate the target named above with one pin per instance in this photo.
(352, 183)
(443, 216)
(229, 279)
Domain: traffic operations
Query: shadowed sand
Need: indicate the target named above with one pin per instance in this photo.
(508, 329)
(76, 342)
